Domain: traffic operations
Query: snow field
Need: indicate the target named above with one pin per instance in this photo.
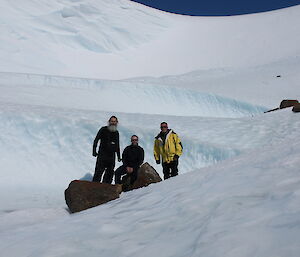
(43, 148)
(121, 39)
(241, 84)
(118, 96)
(239, 207)
(66, 66)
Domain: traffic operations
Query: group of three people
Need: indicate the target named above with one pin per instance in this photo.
(167, 149)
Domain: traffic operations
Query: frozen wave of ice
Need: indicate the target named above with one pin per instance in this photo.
(119, 96)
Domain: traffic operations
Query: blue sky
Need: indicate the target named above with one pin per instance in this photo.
(218, 7)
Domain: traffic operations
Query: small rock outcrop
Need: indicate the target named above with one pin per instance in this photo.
(296, 108)
(285, 104)
(146, 176)
(81, 195)
(288, 103)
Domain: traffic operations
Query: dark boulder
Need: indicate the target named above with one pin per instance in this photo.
(288, 103)
(296, 108)
(285, 104)
(146, 176)
(81, 195)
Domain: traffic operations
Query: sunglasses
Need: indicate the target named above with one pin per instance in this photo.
(134, 140)
(163, 126)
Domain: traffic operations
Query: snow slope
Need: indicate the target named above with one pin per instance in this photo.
(116, 39)
(44, 148)
(238, 189)
(118, 96)
(248, 206)
(274, 82)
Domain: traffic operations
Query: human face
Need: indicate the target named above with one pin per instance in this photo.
(113, 122)
(134, 140)
(164, 127)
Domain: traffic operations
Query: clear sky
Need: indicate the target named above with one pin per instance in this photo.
(218, 7)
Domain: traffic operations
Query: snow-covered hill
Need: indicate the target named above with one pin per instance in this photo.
(120, 39)
(238, 189)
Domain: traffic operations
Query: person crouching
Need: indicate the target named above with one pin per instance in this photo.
(133, 158)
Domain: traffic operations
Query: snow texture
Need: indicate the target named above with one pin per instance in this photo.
(66, 66)
(116, 39)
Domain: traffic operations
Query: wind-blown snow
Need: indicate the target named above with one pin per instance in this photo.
(62, 71)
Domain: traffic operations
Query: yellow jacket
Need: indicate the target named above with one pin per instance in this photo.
(168, 149)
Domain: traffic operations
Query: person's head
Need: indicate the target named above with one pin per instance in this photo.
(134, 140)
(113, 121)
(164, 127)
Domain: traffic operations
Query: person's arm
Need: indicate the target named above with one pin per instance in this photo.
(178, 145)
(96, 140)
(141, 156)
(118, 147)
(156, 151)
(125, 157)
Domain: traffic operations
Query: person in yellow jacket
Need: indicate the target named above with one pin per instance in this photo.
(167, 149)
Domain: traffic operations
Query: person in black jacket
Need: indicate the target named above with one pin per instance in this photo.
(133, 158)
(109, 146)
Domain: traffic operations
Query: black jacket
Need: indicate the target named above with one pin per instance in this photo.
(109, 144)
(133, 156)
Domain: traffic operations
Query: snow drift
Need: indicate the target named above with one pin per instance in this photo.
(118, 96)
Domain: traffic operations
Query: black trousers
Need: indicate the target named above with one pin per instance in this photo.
(170, 169)
(107, 165)
(122, 171)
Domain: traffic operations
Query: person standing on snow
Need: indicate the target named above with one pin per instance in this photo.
(133, 158)
(109, 146)
(167, 149)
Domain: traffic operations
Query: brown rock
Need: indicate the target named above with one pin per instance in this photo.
(296, 108)
(81, 195)
(288, 103)
(146, 176)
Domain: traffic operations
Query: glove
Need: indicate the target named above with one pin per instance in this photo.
(176, 157)
(95, 154)
(157, 161)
